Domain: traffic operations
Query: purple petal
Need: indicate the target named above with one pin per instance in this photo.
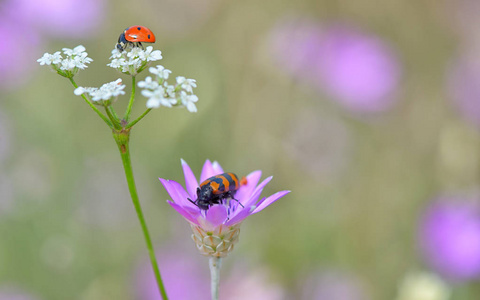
(245, 191)
(172, 190)
(186, 213)
(190, 180)
(216, 215)
(256, 193)
(239, 217)
(217, 169)
(207, 171)
(269, 200)
(182, 196)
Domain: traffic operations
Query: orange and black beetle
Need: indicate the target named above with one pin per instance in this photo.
(217, 188)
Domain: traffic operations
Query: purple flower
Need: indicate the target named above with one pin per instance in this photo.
(357, 69)
(184, 277)
(216, 229)
(59, 18)
(17, 52)
(449, 237)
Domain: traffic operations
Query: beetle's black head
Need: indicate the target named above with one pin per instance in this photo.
(204, 197)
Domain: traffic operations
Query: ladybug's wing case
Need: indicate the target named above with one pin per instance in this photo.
(139, 34)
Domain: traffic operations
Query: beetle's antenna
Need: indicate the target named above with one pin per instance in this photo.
(192, 201)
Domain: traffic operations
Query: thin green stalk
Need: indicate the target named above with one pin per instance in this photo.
(215, 264)
(104, 118)
(113, 117)
(114, 113)
(122, 139)
(130, 103)
(138, 119)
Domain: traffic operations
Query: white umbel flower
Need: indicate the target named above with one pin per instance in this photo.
(160, 93)
(186, 84)
(150, 55)
(189, 101)
(133, 60)
(149, 83)
(68, 65)
(160, 72)
(104, 94)
(75, 51)
(156, 98)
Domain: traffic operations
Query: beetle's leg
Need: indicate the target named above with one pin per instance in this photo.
(231, 195)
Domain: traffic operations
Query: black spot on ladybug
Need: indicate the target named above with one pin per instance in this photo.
(139, 28)
(148, 36)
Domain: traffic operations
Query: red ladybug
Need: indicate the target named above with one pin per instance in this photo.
(134, 36)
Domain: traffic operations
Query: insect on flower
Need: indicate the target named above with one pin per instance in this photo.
(216, 189)
(134, 36)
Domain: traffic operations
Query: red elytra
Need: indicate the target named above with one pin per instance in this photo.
(139, 34)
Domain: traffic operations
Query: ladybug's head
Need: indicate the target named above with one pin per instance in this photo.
(204, 197)
(122, 42)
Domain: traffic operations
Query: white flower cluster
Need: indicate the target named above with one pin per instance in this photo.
(133, 61)
(160, 93)
(107, 92)
(75, 59)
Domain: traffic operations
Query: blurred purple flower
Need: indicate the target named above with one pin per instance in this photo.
(58, 18)
(463, 81)
(186, 278)
(183, 276)
(17, 51)
(358, 70)
(226, 214)
(449, 237)
(10, 293)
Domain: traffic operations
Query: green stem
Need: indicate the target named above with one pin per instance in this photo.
(113, 117)
(122, 138)
(138, 119)
(130, 103)
(104, 118)
(114, 113)
(215, 265)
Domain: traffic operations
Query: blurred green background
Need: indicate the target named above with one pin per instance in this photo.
(359, 182)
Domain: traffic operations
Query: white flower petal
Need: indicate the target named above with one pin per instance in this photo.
(78, 91)
(153, 103)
